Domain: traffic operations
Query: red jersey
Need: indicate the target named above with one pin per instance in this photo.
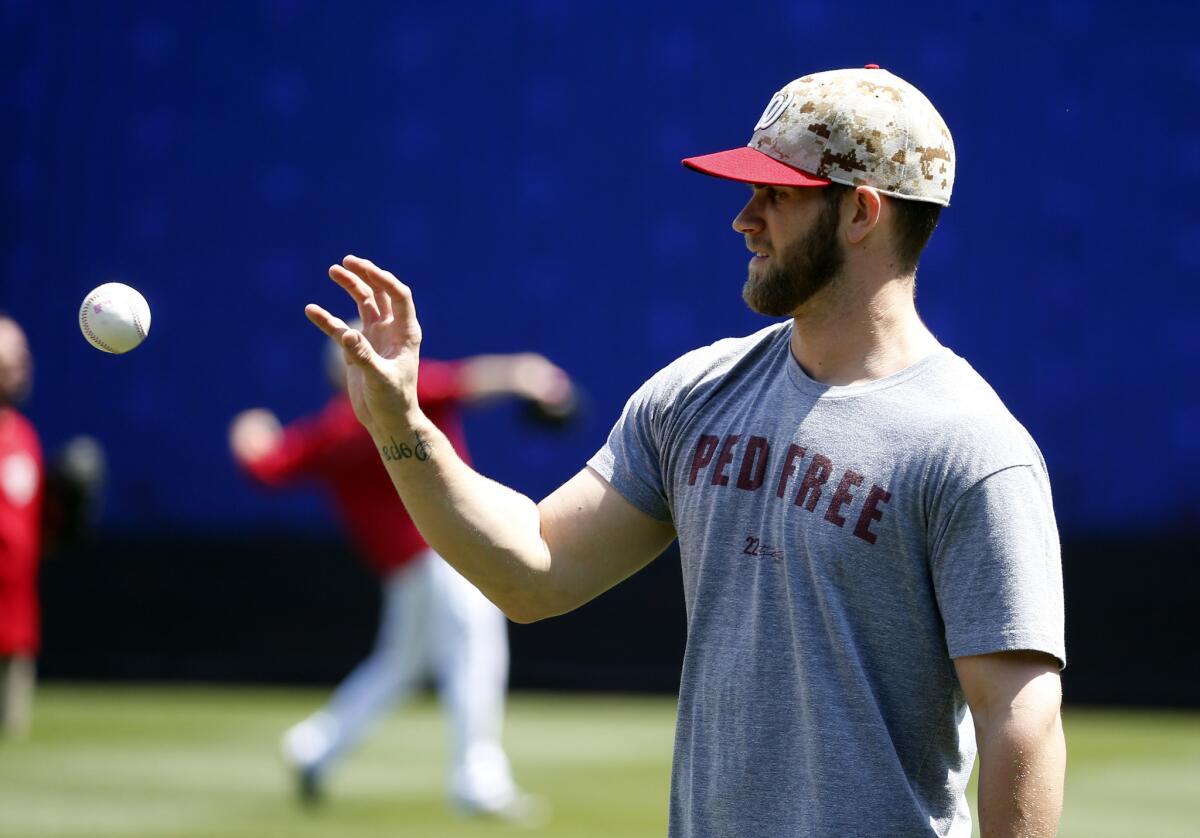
(333, 448)
(21, 487)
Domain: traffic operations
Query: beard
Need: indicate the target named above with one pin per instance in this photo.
(793, 276)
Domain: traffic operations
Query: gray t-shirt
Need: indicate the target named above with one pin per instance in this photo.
(840, 546)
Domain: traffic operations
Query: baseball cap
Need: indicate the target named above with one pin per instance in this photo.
(855, 127)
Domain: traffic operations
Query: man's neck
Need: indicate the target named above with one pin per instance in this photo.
(848, 337)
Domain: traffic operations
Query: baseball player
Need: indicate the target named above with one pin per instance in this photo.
(433, 621)
(43, 506)
(870, 559)
(21, 490)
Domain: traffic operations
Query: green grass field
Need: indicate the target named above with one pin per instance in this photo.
(138, 762)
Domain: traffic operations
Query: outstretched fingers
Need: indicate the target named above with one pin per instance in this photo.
(362, 293)
(333, 327)
(357, 348)
(389, 292)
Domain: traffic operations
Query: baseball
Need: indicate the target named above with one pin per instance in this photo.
(114, 317)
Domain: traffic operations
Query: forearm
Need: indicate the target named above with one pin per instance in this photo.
(488, 532)
(524, 374)
(1022, 766)
(488, 375)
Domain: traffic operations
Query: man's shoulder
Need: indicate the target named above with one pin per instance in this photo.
(965, 393)
(967, 417)
(711, 362)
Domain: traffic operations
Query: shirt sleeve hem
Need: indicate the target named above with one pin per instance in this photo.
(605, 468)
(1012, 642)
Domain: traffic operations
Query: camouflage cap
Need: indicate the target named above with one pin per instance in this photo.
(855, 127)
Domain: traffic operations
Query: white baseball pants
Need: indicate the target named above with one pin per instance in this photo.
(433, 622)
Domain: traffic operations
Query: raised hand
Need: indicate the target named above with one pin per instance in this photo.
(536, 379)
(381, 358)
(253, 434)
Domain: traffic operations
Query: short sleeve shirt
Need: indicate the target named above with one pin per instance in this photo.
(840, 547)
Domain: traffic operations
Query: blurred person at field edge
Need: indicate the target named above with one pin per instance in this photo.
(21, 490)
(43, 505)
(433, 621)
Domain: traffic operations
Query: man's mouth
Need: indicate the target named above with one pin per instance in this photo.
(758, 252)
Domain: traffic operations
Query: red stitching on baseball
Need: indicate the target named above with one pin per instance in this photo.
(87, 330)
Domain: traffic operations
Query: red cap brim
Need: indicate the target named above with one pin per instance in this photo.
(749, 165)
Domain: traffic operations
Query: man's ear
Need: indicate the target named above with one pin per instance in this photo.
(865, 209)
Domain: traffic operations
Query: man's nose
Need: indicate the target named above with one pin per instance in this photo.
(749, 220)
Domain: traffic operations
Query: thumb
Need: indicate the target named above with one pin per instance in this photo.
(358, 350)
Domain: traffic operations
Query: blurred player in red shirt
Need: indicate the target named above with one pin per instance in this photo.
(21, 488)
(432, 620)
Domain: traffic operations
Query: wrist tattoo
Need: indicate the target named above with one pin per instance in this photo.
(402, 451)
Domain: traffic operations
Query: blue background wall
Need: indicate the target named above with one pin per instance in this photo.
(517, 163)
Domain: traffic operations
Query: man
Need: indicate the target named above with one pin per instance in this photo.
(22, 486)
(870, 558)
(43, 506)
(433, 621)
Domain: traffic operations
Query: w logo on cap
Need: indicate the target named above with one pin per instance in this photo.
(775, 108)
